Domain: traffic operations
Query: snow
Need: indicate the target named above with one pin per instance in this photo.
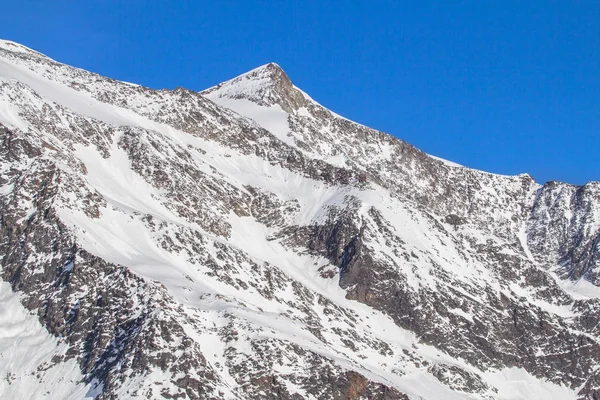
(121, 236)
(120, 185)
(73, 99)
(26, 353)
(579, 289)
(518, 384)
(17, 48)
(9, 114)
(523, 241)
(273, 118)
(238, 95)
(446, 162)
(336, 115)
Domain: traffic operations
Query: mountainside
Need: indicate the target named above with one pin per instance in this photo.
(245, 242)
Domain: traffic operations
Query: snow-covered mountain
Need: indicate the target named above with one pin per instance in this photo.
(247, 243)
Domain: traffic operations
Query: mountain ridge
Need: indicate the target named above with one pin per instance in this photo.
(276, 66)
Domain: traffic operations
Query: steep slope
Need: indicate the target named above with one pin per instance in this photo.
(219, 245)
(510, 226)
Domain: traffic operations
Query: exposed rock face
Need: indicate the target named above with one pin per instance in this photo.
(220, 245)
(266, 86)
(564, 229)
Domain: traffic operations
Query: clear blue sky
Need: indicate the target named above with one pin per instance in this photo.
(503, 86)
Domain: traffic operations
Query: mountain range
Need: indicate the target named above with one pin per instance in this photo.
(245, 242)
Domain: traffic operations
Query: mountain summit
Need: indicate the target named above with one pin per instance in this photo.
(245, 242)
(266, 85)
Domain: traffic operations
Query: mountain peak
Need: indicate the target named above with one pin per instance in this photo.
(267, 85)
(271, 68)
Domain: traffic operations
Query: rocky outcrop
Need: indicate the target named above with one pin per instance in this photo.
(265, 85)
(564, 229)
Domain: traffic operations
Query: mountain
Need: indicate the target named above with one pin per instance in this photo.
(245, 242)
